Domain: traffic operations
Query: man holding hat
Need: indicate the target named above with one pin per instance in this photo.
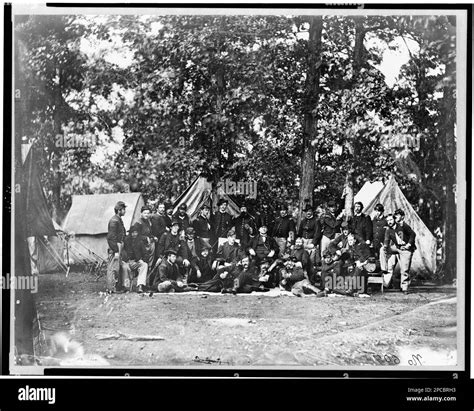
(202, 226)
(283, 230)
(221, 222)
(169, 278)
(117, 270)
(135, 255)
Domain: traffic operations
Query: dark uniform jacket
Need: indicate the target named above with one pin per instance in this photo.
(221, 224)
(115, 233)
(205, 266)
(265, 218)
(283, 226)
(145, 229)
(158, 225)
(202, 226)
(331, 270)
(261, 248)
(404, 232)
(247, 280)
(338, 243)
(183, 221)
(168, 241)
(241, 231)
(310, 228)
(230, 253)
(185, 251)
(361, 226)
(134, 249)
(329, 226)
(297, 275)
(302, 256)
(358, 252)
(379, 226)
(167, 272)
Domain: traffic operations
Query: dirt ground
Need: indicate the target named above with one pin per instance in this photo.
(389, 329)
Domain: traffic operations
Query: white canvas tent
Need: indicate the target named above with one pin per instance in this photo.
(51, 252)
(87, 221)
(200, 193)
(392, 198)
(368, 192)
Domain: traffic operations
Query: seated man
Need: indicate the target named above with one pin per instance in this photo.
(229, 251)
(135, 254)
(169, 278)
(331, 278)
(294, 280)
(203, 270)
(302, 258)
(188, 253)
(353, 262)
(338, 245)
(269, 272)
(247, 278)
(223, 280)
(263, 246)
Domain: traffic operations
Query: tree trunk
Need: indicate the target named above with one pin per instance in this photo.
(357, 62)
(450, 243)
(310, 114)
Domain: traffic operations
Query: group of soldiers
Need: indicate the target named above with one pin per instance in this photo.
(217, 252)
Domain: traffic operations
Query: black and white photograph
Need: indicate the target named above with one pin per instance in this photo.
(218, 188)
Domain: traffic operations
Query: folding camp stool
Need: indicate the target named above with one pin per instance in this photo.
(376, 280)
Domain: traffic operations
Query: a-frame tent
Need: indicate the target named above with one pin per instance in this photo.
(200, 193)
(392, 198)
(86, 224)
(44, 245)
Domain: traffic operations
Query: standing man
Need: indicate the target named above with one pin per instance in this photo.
(244, 227)
(329, 226)
(146, 232)
(221, 222)
(202, 226)
(265, 218)
(135, 255)
(309, 230)
(182, 218)
(361, 225)
(168, 215)
(399, 244)
(284, 230)
(159, 222)
(117, 270)
(379, 225)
